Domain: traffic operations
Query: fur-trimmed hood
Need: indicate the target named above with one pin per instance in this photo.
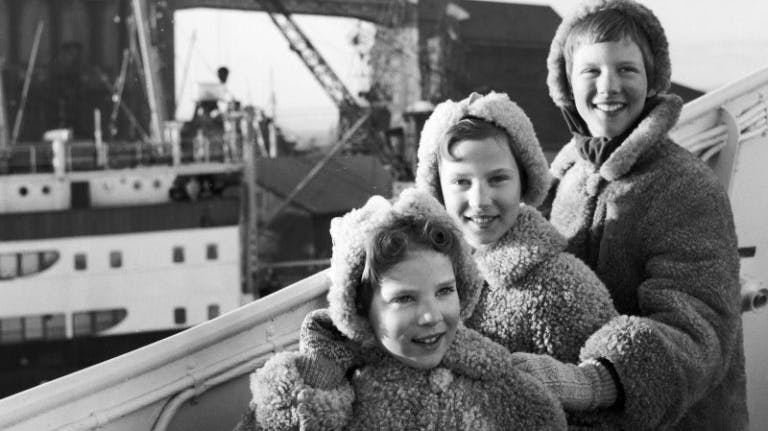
(557, 79)
(495, 108)
(350, 234)
(651, 131)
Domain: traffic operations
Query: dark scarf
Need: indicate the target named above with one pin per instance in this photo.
(597, 149)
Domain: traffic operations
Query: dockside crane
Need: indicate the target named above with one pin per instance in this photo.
(367, 135)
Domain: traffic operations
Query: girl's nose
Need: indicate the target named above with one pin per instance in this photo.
(479, 196)
(429, 314)
(607, 83)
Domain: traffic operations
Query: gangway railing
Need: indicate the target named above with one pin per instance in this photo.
(198, 379)
(728, 128)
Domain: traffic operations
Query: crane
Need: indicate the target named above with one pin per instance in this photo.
(350, 112)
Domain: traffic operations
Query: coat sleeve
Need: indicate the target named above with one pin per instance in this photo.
(283, 401)
(682, 343)
(569, 306)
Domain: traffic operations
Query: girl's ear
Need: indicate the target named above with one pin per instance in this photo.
(651, 93)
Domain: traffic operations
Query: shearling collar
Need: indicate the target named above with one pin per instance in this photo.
(649, 132)
(530, 241)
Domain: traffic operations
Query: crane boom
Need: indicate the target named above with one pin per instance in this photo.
(301, 44)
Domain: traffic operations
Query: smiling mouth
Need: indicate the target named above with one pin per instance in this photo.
(429, 340)
(609, 107)
(482, 221)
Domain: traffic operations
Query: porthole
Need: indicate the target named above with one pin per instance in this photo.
(23, 191)
(157, 184)
(137, 185)
(46, 190)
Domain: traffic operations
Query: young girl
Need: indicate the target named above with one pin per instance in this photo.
(402, 281)
(651, 220)
(481, 159)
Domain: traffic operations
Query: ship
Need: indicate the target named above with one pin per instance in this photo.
(121, 232)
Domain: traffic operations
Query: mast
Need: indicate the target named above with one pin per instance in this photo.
(150, 61)
(3, 118)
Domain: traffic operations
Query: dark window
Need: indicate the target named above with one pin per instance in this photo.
(54, 326)
(179, 315)
(178, 254)
(81, 324)
(91, 322)
(11, 330)
(9, 266)
(213, 311)
(14, 265)
(80, 262)
(211, 252)
(34, 327)
(115, 259)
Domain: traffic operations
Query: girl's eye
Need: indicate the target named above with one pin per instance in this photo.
(461, 182)
(447, 290)
(402, 299)
(496, 179)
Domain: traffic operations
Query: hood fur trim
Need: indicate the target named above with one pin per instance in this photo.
(350, 233)
(557, 79)
(498, 109)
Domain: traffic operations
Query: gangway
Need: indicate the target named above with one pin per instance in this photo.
(198, 379)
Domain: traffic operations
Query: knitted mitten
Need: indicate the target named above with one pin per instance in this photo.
(327, 355)
(579, 387)
(282, 400)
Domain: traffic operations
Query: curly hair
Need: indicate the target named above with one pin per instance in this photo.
(389, 246)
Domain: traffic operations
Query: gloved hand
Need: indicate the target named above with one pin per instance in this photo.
(282, 400)
(327, 354)
(579, 387)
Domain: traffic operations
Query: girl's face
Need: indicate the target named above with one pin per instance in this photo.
(415, 309)
(481, 189)
(609, 85)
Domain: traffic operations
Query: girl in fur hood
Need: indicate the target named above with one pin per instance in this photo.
(402, 281)
(481, 159)
(652, 221)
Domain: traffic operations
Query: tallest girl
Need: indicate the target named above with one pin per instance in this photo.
(652, 221)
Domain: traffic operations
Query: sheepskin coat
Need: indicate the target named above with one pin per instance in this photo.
(476, 387)
(538, 299)
(656, 226)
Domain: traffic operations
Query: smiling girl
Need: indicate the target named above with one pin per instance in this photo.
(402, 282)
(652, 221)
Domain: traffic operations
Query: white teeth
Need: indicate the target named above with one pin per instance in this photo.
(481, 219)
(428, 340)
(609, 107)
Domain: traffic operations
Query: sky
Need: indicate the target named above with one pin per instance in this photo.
(711, 44)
